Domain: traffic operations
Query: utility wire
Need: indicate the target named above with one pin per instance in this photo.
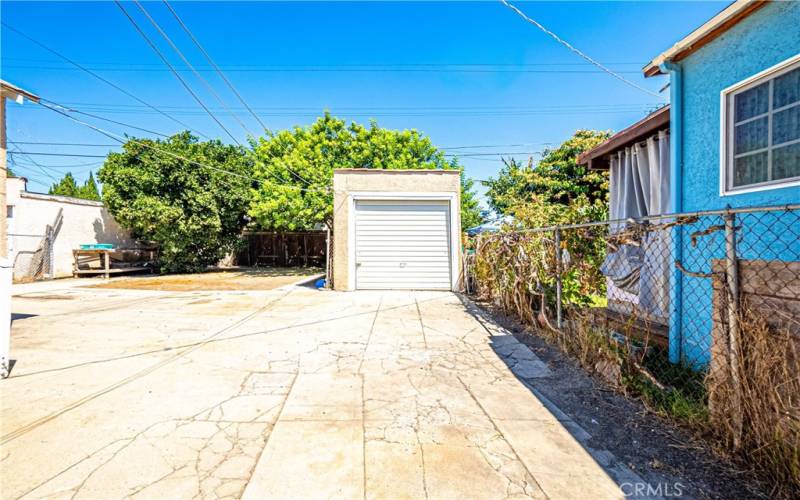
(579, 52)
(65, 167)
(82, 144)
(174, 72)
(65, 112)
(365, 69)
(210, 88)
(214, 65)
(25, 155)
(192, 68)
(59, 154)
(114, 121)
(104, 80)
(438, 64)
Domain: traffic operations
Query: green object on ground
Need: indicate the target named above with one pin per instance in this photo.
(97, 246)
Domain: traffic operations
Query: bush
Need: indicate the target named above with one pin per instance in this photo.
(193, 210)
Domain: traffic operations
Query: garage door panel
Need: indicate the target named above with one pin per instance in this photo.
(402, 244)
(400, 255)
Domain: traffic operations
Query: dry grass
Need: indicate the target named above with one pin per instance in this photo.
(238, 279)
(769, 438)
(515, 273)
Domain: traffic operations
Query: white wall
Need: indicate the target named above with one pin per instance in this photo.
(84, 222)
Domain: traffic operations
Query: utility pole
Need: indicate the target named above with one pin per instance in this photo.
(7, 91)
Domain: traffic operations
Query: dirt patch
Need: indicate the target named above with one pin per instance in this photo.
(239, 279)
(657, 450)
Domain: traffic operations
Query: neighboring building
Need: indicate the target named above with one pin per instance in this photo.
(734, 136)
(18, 95)
(72, 222)
(7, 91)
(637, 159)
(396, 229)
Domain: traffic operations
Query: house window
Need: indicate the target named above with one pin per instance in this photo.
(761, 137)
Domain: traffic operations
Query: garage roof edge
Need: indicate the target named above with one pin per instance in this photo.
(395, 171)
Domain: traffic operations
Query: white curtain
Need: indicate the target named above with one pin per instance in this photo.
(640, 181)
(640, 185)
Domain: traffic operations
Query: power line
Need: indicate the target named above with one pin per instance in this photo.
(83, 144)
(366, 69)
(65, 167)
(422, 114)
(579, 52)
(64, 112)
(514, 106)
(347, 65)
(36, 153)
(213, 64)
(469, 155)
(115, 122)
(104, 80)
(39, 166)
(392, 109)
(486, 146)
(189, 65)
(177, 75)
(197, 43)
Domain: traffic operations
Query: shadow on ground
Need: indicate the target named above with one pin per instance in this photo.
(620, 434)
(233, 279)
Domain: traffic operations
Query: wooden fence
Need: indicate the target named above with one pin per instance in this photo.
(290, 249)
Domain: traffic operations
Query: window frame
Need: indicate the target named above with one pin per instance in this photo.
(727, 130)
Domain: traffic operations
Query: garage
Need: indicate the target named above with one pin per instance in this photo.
(402, 245)
(396, 229)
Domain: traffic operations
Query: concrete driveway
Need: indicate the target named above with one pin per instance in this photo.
(292, 392)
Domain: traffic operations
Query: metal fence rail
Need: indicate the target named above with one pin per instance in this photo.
(684, 309)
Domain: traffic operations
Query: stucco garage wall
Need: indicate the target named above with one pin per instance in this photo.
(347, 181)
(85, 221)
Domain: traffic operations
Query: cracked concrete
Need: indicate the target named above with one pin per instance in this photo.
(283, 393)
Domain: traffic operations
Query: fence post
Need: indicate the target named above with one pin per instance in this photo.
(557, 238)
(732, 282)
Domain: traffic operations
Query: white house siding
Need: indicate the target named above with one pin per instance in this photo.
(84, 221)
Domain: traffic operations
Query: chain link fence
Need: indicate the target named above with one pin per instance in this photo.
(698, 314)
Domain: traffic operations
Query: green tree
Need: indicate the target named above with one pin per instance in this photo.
(65, 187)
(471, 213)
(89, 190)
(194, 210)
(296, 168)
(556, 178)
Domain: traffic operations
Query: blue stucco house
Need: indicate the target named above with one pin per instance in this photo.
(733, 139)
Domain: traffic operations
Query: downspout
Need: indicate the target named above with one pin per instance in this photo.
(676, 206)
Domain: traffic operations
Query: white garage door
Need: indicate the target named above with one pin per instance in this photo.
(402, 245)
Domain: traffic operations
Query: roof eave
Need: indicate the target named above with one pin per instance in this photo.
(597, 157)
(716, 26)
(11, 89)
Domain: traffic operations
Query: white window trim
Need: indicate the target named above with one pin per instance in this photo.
(724, 135)
(455, 226)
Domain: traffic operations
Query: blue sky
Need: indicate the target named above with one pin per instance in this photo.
(465, 74)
